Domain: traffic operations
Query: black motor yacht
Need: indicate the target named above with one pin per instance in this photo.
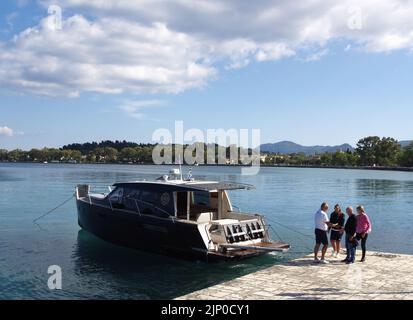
(176, 216)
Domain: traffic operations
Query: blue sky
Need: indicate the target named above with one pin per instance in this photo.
(70, 85)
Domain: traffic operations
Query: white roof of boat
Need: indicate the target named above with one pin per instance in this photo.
(209, 186)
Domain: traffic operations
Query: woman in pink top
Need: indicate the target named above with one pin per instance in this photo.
(363, 229)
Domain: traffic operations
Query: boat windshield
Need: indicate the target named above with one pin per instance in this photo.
(143, 201)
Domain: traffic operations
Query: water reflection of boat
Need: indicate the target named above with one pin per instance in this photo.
(193, 219)
(108, 271)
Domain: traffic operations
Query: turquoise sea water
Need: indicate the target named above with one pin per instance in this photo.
(93, 269)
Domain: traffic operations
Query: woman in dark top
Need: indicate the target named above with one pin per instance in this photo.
(337, 219)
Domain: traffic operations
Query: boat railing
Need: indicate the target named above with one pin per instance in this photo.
(137, 207)
(153, 206)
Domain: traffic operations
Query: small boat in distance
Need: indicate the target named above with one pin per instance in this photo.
(187, 218)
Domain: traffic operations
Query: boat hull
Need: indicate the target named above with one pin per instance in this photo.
(142, 232)
(151, 234)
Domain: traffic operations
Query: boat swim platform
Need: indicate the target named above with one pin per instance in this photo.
(384, 276)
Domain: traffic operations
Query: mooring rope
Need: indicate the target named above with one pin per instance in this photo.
(54, 209)
(276, 233)
(291, 229)
(304, 245)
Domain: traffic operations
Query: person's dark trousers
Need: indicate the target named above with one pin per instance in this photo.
(351, 250)
(347, 248)
(363, 244)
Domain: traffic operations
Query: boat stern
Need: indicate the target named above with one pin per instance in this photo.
(234, 238)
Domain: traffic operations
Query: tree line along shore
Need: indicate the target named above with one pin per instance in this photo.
(371, 152)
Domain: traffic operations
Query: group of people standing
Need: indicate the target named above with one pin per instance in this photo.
(356, 229)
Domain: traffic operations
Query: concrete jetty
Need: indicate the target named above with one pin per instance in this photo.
(384, 276)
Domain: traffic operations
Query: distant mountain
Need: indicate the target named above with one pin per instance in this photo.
(405, 143)
(288, 147)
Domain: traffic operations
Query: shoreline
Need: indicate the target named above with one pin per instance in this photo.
(405, 169)
(400, 169)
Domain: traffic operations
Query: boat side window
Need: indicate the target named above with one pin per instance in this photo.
(182, 200)
(200, 198)
(156, 203)
(131, 199)
(214, 200)
(116, 197)
(201, 202)
(147, 200)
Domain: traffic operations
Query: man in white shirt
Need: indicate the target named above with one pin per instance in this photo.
(322, 223)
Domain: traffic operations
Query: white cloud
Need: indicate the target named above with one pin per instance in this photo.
(170, 46)
(133, 108)
(273, 51)
(6, 131)
(106, 56)
(291, 22)
(317, 55)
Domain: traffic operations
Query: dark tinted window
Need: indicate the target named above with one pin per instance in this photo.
(201, 198)
(132, 193)
(150, 197)
(116, 195)
(158, 203)
(182, 202)
(131, 199)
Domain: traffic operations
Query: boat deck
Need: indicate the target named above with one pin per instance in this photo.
(384, 276)
(261, 246)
